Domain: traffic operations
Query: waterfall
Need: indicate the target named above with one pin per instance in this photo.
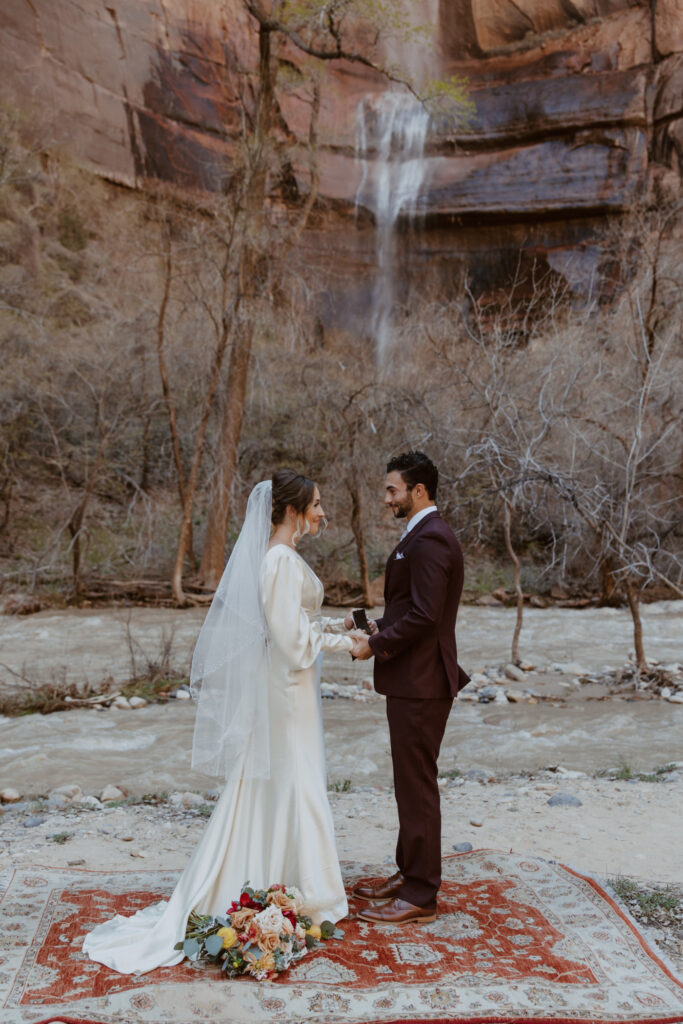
(391, 132)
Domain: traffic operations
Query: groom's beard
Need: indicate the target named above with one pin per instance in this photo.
(403, 510)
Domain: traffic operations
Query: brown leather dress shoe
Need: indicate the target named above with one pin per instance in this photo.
(398, 912)
(380, 892)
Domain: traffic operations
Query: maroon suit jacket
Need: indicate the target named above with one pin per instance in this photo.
(415, 650)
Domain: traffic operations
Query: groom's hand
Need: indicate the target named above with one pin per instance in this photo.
(361, 649)
(350, 624)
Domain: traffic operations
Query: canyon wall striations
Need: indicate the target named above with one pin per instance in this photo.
(579, 115)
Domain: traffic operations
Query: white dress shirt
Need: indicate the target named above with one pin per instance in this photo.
(417, 518)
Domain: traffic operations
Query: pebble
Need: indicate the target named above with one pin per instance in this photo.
(9, 796)
(137, 702)
(462, 847)
(186, 800)
(665, 692)
(569, 668)
(122, 703)
(92, 802)
(64, 796)
(515, 697)
(564, 800)
(676, 698)
(181, 695)
(111, 793)
(569, 773)
(34, 820)
(500, 697)
(514, 673)
(138, 853)
(477, 822)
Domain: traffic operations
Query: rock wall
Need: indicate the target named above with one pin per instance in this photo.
(579, 114)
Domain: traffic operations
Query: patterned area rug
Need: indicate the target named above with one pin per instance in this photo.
(516, 941)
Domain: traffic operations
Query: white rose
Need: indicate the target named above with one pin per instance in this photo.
(297, 898)
(270, 921)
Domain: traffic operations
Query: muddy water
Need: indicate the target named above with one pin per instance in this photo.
(148, 750)
(94, 645)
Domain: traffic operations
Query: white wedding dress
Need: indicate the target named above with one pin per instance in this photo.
(278, 830)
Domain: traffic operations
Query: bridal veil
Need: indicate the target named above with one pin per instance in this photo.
(230, 665)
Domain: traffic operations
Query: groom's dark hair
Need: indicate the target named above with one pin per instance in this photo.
(416, 468)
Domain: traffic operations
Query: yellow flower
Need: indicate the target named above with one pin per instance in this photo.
(314, 931)
(229, 937)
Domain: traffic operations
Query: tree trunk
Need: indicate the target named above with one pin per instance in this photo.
(186, 523)
(6, 498)
(357, 528)
(609, 598)
(633, 599)
(213, 554)
(165, 386)
(518, 586)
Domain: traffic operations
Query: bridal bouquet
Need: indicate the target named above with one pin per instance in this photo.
(261, 934)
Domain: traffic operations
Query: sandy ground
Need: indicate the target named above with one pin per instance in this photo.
(620, 827)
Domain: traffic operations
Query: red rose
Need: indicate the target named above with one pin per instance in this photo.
(291, 917)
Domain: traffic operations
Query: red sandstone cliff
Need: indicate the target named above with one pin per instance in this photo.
(579, 113)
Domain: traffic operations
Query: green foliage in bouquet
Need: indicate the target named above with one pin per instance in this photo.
(261, 934)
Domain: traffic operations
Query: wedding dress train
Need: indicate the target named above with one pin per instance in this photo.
(278, 830)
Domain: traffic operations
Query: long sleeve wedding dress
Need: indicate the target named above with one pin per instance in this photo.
(265, 831)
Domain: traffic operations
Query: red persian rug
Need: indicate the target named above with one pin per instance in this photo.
(517, 941)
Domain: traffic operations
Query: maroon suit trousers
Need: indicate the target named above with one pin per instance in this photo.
(416, 728)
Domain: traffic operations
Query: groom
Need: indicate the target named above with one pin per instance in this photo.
(416, 667)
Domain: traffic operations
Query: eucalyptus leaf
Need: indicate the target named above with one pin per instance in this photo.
(191, 948)
(213, 945)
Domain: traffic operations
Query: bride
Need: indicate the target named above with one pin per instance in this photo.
(259, 725)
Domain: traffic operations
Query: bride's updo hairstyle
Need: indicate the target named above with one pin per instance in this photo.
(290, 488)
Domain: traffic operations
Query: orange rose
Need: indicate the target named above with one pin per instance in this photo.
(241, 918)
(281, 900)
(268, 943)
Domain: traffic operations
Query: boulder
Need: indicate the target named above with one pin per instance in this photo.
(515, 673)
(564, 800)
(64, 796)
(186, 800)
(10, 796)
(112, 794)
